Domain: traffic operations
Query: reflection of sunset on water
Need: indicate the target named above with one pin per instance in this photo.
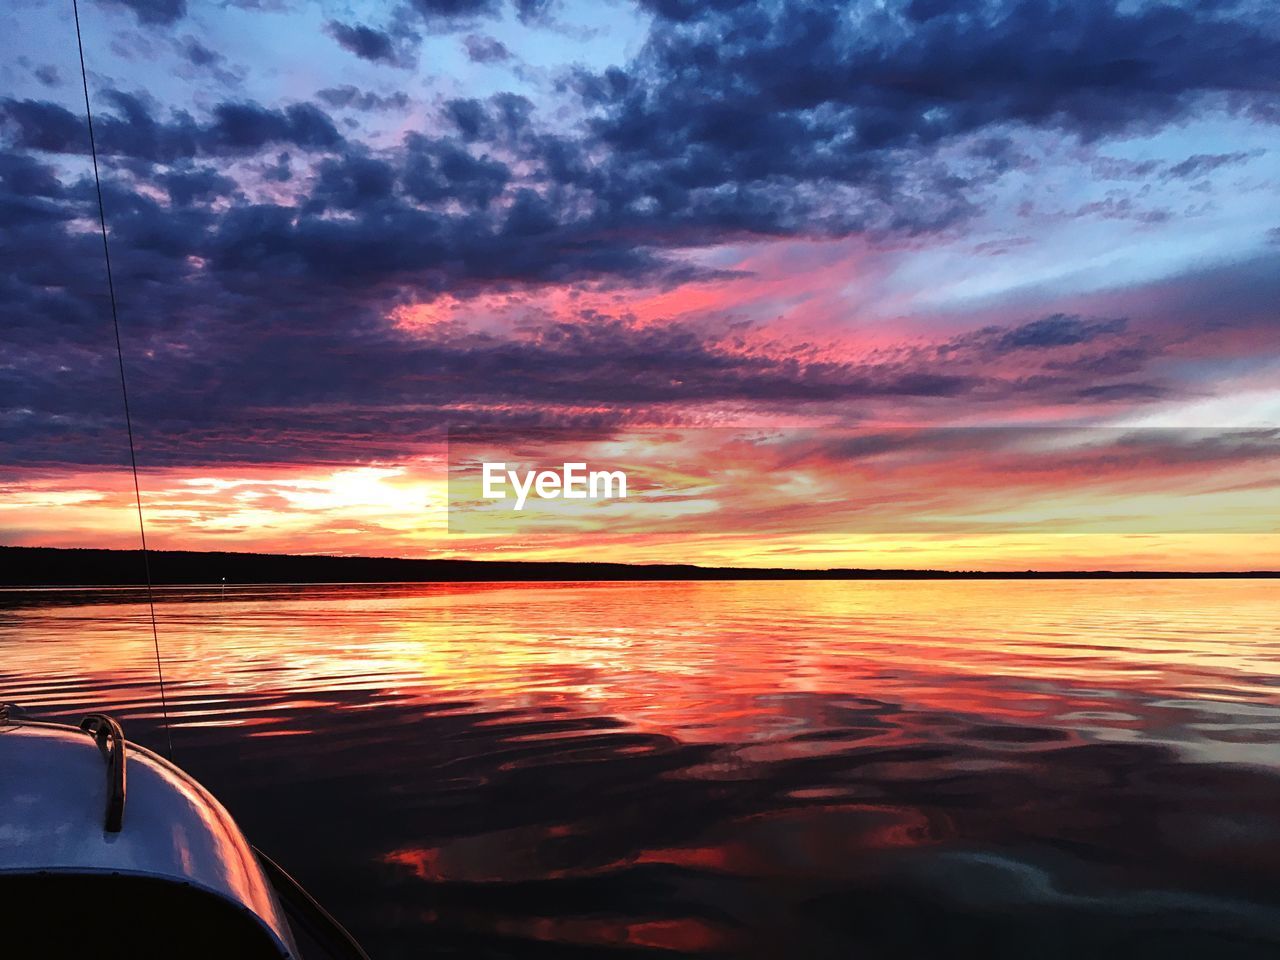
(713, 662)
(692, 765)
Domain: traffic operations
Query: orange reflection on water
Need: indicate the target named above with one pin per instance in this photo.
(655, 742)
(744, 663)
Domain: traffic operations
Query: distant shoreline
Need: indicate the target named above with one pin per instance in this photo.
(65, 567)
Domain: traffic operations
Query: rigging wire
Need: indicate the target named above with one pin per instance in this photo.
(124, 390)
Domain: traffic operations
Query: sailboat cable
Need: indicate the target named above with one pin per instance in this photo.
(124, 390)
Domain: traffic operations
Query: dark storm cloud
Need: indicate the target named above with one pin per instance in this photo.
(1204, 163)
(353, 98)
(446, 15)
(199, 55)
(1057, 330)
(365, 42)
(736, 120)
(436, 10)
(504, 119)
(40, 125)
(23, 175)
(533, 11)
(196, 184)
(257, 319)
(437, 170)
(279, 170)
(312, 371)
(281, 396)
(469, 116)
(156, 12)
(28, 195)
(259, 333)
(733, 109)
(1058, 352)
(247, 127)
(391, 242)
(481, 49)
(130, 129)
(352, 183)
(686, 10)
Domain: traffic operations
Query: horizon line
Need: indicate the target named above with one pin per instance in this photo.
(618, 570)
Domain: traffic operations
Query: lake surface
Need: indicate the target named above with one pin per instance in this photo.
(812, 769)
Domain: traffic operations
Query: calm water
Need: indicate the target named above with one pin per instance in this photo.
(1010, 769)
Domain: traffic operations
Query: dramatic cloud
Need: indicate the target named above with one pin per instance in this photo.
(200, 55)
(446, 11)
(156, 12)
(373, 45)
(132, 131)
(349, 97)
(669, 213)
(799, 116)
(485, 49)
(304, 384)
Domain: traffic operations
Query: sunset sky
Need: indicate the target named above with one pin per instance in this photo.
(340, 230)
